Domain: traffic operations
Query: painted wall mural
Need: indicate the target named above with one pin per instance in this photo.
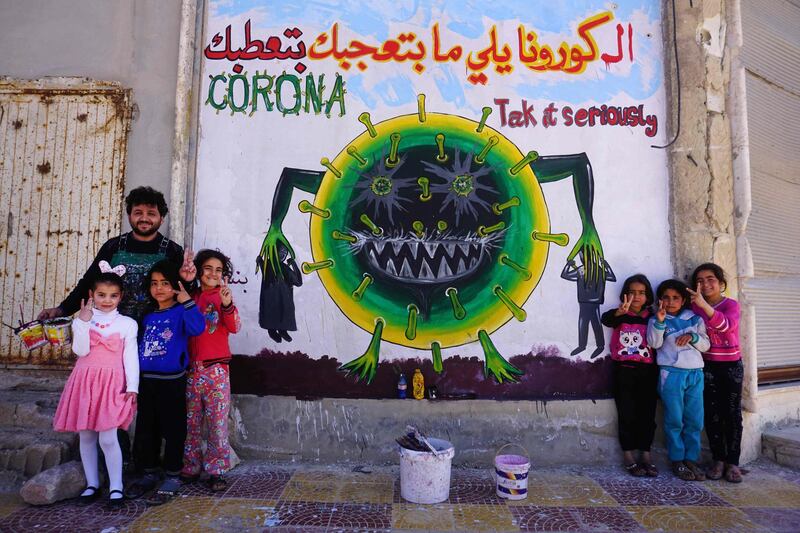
(427, 186)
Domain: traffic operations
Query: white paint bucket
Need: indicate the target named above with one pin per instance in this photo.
(425, 476)
(511, 474)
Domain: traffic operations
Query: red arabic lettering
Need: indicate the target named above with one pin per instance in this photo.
(256, 48)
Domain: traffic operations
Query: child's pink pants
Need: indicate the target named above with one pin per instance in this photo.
(208, 395)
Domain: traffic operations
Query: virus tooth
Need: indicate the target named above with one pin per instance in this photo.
(425, 271)
(458, 310)
(485, 112)
(352, 151)
(339, 236)
(481, 157)
(444, 270)
(325, 162)
(441, 157)
(405, 270)
(370, 224)
(430, 248)
(504, 259)
(483, 231)
(441, 225)
(421, 107)
(424, 183)
(498, 209)
(308, 268)
(392, 160)
(362, 287)
(365, 120)
(411, 329)
(528, 159)
(436, 350)
(397, 246)
(419, 228)
(561, 239)
(306, 207)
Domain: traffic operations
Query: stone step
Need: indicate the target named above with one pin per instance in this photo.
(782, 446)
(27, 409)
(29, 451)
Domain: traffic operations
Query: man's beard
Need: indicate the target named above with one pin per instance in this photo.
(145, 233)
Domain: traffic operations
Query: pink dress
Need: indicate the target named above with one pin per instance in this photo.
(94, 396)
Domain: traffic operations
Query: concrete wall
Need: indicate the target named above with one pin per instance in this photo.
(134, 42)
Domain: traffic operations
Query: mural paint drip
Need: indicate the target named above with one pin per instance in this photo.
(423, 186)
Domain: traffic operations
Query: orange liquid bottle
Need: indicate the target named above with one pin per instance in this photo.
(419, 384)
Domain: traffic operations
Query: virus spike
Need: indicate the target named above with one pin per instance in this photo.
(339, 236)
(561, 239)
(441, 225)
(421, 107)
(494, 362)
(306, 207)
(371, 225)
(441, 157)
(485, 112)
(504, 259)
(458, 310)
(392, 160)
(499, 208)
(308, 268)
(527, 160)
(325, 162)
(483, 231)
(518, 312)
(425, 185)
(436, 350)
(481, 157)
(352, 151)
(365, 366)
(411, 329)
(365, 120)
(362, 287)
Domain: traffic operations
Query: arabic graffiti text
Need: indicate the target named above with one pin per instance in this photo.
(604, 115)
(286, 93)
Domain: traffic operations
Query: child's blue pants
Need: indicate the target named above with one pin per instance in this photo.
(681, 390)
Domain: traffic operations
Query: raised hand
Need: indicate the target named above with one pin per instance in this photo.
(699, 301)
(661, 314)
(225, 292)
(182, 295)
(188, 271)
(625, 305)
(85, 313)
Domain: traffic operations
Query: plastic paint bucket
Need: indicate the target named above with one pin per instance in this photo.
(425, 476)
(511, 474)
(31, 335)
(58, 331)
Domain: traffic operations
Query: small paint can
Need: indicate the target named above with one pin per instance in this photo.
(511, 474)
(58, 331)
(31, 334)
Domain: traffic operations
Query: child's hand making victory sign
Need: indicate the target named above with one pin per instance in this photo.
(624, 306)
(181, 294)
(85, 313)
(661, 314)
(225, 293)
(699, 301)
(188, 271)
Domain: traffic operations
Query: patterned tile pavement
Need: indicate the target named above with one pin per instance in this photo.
(317, 499)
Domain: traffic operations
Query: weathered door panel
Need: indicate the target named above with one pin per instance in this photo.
(62, 167)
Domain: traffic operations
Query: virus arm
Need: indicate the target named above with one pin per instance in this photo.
(557, 167)
(291, 178)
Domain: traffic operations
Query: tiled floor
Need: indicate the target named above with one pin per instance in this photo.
(272, 497)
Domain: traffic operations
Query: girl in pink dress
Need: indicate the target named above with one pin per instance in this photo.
(100, 394)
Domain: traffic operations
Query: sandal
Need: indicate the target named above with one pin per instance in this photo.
(116, 503)
(650, 469)
(732, 474)
(89, 498)
(636, 470)
(699, 475)
(166, 491)
(141, 486)
(680, 470)
(716, 470)
(217, 483)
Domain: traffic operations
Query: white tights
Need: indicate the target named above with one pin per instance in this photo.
(112, 452)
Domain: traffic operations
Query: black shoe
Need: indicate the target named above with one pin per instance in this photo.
(116, 503)
(89, 498)
(285, 335)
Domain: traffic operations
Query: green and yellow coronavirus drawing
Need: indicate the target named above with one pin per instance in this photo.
(430, 230)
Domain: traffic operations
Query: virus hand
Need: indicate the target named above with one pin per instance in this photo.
(365, 366)
(591, 252)
(495, 363)
(270, 253)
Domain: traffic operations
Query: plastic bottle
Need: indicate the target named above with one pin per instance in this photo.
(418, 382)
(401, 387)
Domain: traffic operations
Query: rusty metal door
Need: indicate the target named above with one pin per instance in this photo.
(62, 166)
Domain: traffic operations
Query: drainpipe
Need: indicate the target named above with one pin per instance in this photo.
(183, 122)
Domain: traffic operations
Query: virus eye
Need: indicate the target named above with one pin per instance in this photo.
(379, 190)
(461, 185)
(381, 185)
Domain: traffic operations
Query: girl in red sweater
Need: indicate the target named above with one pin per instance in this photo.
(208, 387)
